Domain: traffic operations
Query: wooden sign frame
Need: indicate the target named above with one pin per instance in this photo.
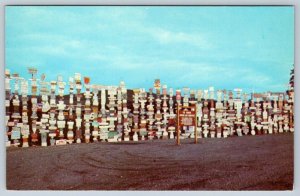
(179, 108)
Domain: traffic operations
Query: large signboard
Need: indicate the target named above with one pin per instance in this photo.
(186, 116)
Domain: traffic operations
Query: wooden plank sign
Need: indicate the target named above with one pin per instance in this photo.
(187, 117)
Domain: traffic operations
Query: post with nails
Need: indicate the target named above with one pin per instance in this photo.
(196, 136)
(178, 126)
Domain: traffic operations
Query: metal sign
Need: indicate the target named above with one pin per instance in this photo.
(16, 133)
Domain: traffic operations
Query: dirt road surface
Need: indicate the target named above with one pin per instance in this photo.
(262, 162)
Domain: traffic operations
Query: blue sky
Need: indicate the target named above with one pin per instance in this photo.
(225, 47)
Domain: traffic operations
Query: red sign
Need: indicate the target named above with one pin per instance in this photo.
(86, 80)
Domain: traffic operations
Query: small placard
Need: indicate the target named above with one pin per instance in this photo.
(44, 120)
(61, 124)
(103, 135)
(61, 142)
(86, 117)
(10, 124)
(25, 130)
(78, 110)
(25, 119)
(7, 103)
(95, 124)
(45, 116)
(16, 133)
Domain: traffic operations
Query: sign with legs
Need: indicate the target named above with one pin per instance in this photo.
(186, 116)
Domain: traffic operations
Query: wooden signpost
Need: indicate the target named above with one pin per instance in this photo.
(186, 116)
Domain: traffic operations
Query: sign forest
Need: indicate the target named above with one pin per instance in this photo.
(47, 113)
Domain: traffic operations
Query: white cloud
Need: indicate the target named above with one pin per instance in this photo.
(165, 36)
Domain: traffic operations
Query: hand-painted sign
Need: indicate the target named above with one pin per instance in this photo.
(187, 117)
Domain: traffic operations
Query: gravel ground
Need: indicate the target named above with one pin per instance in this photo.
(262, 162)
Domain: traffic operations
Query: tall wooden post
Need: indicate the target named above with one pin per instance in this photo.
(178, 126)
(196, 136)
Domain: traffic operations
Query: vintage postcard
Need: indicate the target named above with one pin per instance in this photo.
(149, 97)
